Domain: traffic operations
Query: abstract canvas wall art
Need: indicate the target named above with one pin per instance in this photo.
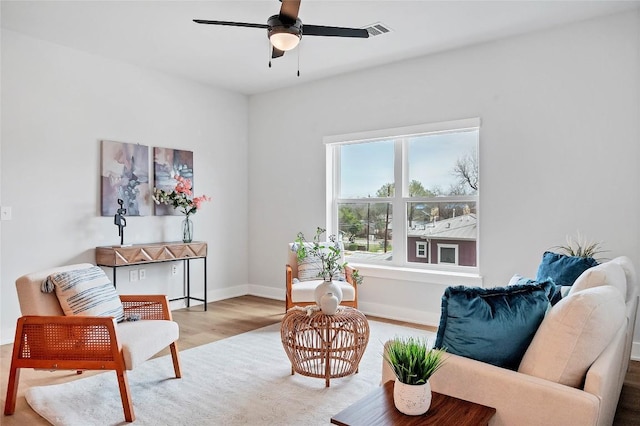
(125, 176)
(167, 163)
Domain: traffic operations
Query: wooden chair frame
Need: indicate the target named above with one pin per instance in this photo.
(81, 343)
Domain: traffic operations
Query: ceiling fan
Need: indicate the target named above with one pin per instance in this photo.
(285, 29)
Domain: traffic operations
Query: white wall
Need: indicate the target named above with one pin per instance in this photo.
(57, 104)
(560, 145)
(559, 150)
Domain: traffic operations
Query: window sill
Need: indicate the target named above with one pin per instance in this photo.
(444, 278)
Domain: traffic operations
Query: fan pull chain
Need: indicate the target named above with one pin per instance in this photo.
(269, 45)
(299, 47)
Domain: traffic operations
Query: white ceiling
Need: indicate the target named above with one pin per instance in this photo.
(162, 36)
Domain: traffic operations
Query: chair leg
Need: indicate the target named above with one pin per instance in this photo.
(176, 359)
(12, 391)
(125, 395)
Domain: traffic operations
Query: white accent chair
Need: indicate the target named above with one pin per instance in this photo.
(301, 293)
(47, 339)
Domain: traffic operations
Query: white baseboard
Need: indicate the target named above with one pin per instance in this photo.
(386, 311)
(635, 351)
(400, 314)
(375, 309)
(214, 296)
(266, 292)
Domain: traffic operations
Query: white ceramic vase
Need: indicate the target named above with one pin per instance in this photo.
(413, 400)
(327, 287)
(329, 304)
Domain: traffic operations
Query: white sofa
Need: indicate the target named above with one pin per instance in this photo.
(534, 399)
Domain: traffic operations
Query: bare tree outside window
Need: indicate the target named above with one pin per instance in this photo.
(466, 171)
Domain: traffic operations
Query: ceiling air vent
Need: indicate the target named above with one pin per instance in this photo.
(377, 29)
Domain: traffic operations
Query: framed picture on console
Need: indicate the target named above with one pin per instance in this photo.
(167, 163)
(125, 176)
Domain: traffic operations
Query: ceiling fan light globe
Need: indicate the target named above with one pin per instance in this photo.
(284, 40)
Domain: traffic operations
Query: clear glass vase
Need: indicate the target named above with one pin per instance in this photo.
(187, 230)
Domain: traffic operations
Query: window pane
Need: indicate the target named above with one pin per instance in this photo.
(421, 249)
(442, 223)
(448, 255)
(366, 230)
(443, 164)
(366, 170)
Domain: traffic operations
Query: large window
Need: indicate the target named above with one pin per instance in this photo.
(406, 197)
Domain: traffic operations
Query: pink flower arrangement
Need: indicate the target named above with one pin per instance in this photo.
(179, 197)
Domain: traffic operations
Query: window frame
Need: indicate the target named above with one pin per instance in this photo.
(455, 248)
(425, 245)
(400, 200)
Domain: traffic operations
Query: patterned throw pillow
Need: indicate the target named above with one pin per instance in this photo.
(87, 292)
(309, 268)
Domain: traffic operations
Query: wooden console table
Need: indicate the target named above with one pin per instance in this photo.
(142, 254)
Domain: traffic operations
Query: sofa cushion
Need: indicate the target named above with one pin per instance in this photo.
(143, 339)
(562, 269)
(608, 273)
(303, 291)
(630, 273)
(86, 291)
(573, 334)
(493, 325)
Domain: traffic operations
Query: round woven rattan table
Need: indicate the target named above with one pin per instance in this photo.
(324, 346)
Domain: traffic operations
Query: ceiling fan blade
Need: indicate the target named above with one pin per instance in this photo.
(231, 24)
(276, 53)
(289, 9)
(321, 30)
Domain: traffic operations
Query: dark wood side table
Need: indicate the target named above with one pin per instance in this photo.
(142, 254)
(377, 409)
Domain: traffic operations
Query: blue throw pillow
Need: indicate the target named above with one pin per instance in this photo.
(562, 269)
(556, 291)
(492, 325)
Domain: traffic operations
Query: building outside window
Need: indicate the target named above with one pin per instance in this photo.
(421, 249)
(406, 197)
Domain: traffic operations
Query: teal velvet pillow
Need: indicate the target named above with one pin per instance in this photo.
(492, 325)
(562, 269)
(555, 293)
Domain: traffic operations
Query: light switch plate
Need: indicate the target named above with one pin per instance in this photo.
(133, 275)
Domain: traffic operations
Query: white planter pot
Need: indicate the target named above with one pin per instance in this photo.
(327, 287)
(413, 400)
(329, 304)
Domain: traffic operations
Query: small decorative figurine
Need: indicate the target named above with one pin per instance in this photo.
(120, 221)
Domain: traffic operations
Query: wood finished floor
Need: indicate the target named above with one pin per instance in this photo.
(227, 318)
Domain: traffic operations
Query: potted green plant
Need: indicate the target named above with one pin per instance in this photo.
(326, 258)
(413, 362)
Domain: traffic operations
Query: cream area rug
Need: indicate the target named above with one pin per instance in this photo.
(241, 380)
